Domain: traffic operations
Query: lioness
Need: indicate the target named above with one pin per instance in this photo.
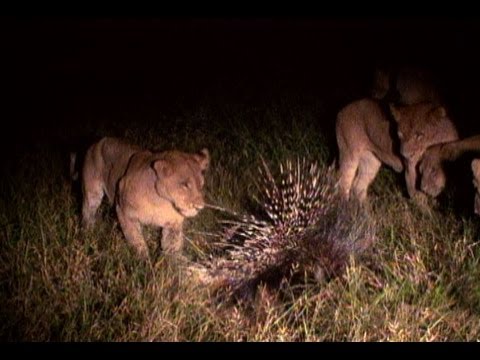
(364, 143)
(159, 189)
(420, 126)
(433, 178)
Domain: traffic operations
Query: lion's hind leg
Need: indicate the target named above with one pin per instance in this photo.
(92, 199)
(367, 171)
(348, 170)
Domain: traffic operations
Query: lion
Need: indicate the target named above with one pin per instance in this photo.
(476, 183)
(364, 142)
(366, 138)
(408, 85)
(418, 127)
(159, 189)
(433, 178)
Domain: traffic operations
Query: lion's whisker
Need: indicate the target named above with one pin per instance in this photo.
(219, 208)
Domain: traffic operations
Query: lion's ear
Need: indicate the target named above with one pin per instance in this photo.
(203, 159)
(395, 112)
(439, 112)
(162, 168)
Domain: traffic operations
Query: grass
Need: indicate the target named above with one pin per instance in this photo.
(420, 281)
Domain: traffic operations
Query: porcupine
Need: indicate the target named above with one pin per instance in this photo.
(307, 228)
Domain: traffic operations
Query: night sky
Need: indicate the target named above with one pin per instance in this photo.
(55, 69)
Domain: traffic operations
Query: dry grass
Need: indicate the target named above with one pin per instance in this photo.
(420, 281)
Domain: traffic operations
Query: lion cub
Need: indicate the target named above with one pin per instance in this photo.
(147, 188)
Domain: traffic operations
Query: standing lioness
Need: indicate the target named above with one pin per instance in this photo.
(158, 189)
(364, 140)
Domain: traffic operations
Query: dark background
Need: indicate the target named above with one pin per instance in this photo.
(61, 71)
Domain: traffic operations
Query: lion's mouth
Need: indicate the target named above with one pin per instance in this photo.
(189, 212)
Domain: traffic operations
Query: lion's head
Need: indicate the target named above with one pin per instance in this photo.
(433, 178)
(180, 180)
(418, 126)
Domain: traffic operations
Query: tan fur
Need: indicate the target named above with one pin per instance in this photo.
(364, 143)
(158, 189)
(432, 176)
(418, 127)
(412, 85)
(476, 183)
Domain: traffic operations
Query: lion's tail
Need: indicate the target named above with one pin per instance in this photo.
(73, 170)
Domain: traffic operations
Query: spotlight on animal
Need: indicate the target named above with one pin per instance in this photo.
(160, 189)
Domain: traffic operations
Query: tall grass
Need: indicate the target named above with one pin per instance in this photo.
(420, 282)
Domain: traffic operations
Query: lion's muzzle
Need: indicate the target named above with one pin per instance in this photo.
(191, 210)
